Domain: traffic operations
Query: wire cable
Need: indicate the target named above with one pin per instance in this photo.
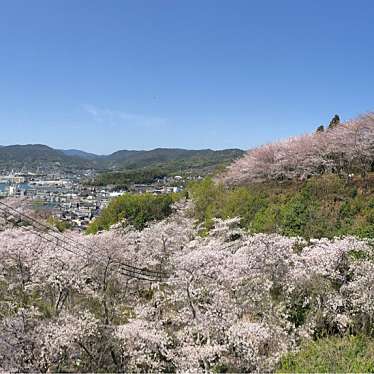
(63, 238)
(58, 236)
(130, 271)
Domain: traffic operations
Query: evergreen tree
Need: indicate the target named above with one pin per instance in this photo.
(334, 122)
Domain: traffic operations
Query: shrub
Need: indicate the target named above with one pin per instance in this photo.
(350, 354)
(135, 210)
(324, 206)
(59, 224)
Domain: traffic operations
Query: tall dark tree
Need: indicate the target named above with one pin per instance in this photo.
(335, 121)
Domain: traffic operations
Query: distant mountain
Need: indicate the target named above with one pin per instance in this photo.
(138, 159)
(29, 153)
(33, 156)
(37, 156)
(81, 154)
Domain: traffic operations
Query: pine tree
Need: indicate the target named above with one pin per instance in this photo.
(334, 122)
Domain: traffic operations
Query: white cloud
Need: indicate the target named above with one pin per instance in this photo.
(120, 118)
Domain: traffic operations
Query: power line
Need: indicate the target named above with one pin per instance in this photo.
(58, 236)
(61, 240)
(128, 273)
(64, 238)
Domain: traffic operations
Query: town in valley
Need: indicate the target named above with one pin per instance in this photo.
(70, 197)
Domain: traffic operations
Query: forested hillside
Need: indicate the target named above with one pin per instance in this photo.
(148, 167)
(33, 156)
(322, 206)
(342, 149)
(162, 160)
(176, 158)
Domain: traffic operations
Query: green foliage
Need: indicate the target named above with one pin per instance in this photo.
(209, 200)
(350, 354)
(266, 220)
(320, 128)
(212, 200)
(37, 155)
(173, 160)
(126, 178)
(359, 255)
(136, 210)
(324, 206)
(148, 166)
(58, 224)
(335, 121)
(297, 213)
(37, 204)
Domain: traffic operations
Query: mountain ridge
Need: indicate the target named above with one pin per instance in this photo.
(40, 155)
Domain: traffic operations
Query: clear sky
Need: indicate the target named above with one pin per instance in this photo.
(117, 74)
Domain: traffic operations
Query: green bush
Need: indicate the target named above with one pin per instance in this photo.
(209, 199)
(212, 200)
(351, 354)
(324, 206)
(136, 210)
(266, 220)
(297, 213)
(59, 224)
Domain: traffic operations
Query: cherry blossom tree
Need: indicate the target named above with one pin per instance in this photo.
(344, 149)
(231, 301)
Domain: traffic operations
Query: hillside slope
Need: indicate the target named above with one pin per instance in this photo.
(138, 159)
(79, 153)
(344, 149)
(37, 155)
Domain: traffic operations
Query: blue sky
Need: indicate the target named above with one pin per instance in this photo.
(108, 75)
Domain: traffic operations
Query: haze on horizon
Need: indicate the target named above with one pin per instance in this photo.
(101, 76)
